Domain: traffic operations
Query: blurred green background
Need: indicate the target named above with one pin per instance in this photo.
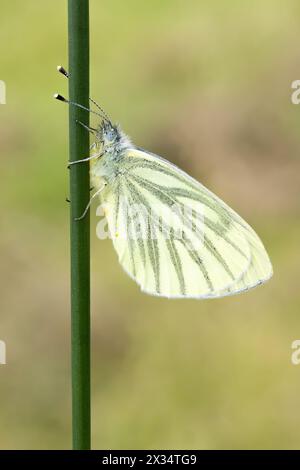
(206, 84)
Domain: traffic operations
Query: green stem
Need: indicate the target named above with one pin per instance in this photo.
(78, 14)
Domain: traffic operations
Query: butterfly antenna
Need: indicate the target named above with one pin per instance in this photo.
(64, 72)
(59, 97)
(100, 109)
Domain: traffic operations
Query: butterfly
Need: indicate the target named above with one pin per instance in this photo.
(173, 236)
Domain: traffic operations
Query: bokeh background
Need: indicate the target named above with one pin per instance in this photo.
(206, 84)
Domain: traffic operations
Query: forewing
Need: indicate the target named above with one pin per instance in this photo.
(176, 238)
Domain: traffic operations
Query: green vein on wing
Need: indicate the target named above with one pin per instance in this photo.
(166, 199)
(167, 230)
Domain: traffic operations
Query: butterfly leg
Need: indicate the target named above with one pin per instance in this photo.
(87, 128)
(98, 155)
(90, 202)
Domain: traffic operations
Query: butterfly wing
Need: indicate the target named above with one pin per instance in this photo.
(177, 239)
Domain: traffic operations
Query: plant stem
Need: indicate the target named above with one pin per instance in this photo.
(78, 16)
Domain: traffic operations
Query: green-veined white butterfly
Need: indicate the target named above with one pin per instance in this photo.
(229, 258)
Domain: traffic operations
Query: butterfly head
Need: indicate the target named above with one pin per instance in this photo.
(111, 136)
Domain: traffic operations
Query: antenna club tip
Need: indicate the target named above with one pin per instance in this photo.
(59, 97)
(62, 70)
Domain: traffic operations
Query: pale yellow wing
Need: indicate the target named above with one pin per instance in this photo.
(203, 249)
